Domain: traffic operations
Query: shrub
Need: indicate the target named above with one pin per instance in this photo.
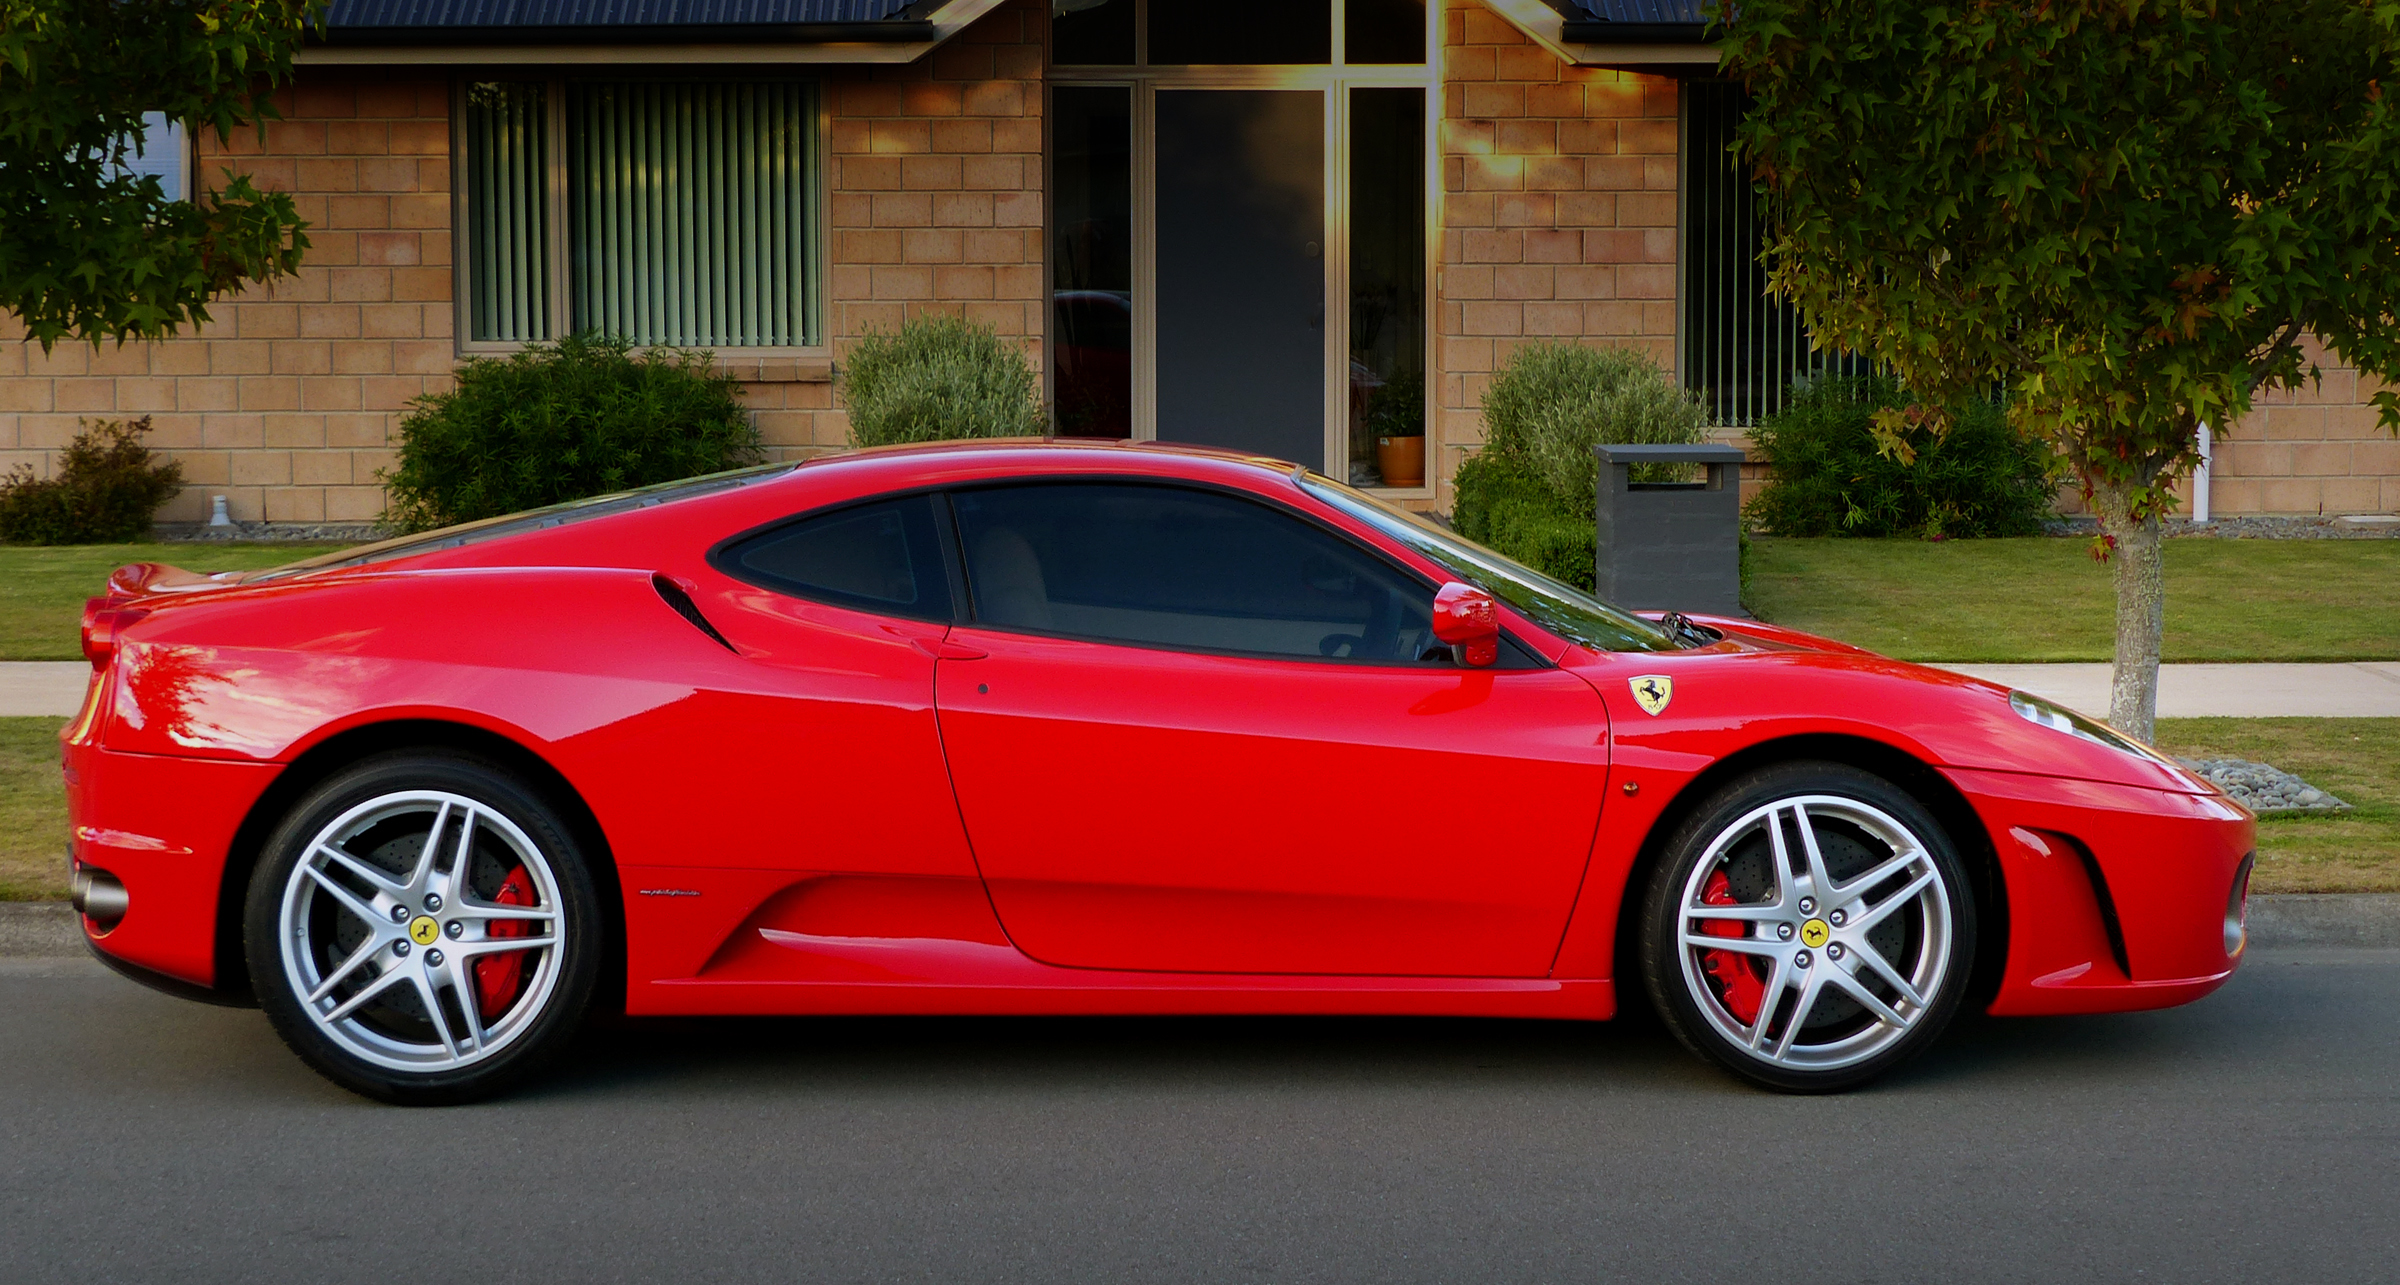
(107, 489)
(1529, 493)
(552, 423)
(939, 378)
(1825, 476)
(1553, 402)
(1505, 507)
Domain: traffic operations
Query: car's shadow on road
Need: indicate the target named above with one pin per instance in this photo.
(1634, 1054)
(2260, 1018)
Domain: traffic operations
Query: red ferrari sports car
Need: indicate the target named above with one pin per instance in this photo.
(1058, 727)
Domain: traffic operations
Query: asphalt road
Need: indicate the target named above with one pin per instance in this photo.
(2255, 1135)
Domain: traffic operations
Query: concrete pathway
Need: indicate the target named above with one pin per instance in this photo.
(38, 687)
(2365, 690)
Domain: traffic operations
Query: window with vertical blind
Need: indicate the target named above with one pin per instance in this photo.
(1742, 347)
(662, 212)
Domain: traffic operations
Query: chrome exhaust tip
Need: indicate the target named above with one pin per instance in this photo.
(97, 896)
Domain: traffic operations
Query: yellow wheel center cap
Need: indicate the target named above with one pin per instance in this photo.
(422, 930)
(1813, 933)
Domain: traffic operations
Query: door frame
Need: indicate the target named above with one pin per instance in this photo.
(1333, 82)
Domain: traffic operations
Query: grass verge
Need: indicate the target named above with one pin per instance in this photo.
(42, 589)
(2044, 599)
(2358, 759)
(33, 811)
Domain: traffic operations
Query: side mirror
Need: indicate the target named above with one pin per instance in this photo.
(1463, 616)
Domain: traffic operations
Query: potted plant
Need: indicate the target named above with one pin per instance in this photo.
(1396, 420)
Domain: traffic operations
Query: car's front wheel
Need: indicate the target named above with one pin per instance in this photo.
(423, 929)
(1809, 927)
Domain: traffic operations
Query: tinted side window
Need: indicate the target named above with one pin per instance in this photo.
(883, 557)
(1171, 567)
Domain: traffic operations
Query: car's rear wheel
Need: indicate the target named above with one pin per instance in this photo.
(1809, 927)
(423, 929)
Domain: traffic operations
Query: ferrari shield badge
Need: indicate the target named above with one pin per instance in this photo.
(1652, 692)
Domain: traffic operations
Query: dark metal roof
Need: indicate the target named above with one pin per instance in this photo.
(423, 22)
(1632, 22)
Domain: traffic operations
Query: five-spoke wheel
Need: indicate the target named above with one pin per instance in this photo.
(421, 929)
(1809, 927)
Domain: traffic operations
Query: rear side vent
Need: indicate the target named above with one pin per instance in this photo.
(682, 602)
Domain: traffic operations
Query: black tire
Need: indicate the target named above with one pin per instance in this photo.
(1923, 941)
(521, 862)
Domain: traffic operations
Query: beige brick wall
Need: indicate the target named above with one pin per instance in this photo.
(284, 402)
(1558, 212)
(1558, 219)
(936, 175)
(289, 401)
(2318, 449)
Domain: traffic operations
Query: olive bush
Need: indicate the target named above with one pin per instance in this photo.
(1529, 493)
(939, 378)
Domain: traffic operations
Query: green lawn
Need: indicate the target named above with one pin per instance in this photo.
(33, 811)
(42, 589)
(2358, 759)
(2044, 599)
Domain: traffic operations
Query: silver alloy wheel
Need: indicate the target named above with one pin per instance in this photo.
(1860, 944)
(372, 952)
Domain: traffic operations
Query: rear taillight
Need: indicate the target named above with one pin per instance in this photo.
(102, 618)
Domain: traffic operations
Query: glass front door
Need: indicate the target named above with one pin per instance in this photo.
(1239, 230)
(1241, 269)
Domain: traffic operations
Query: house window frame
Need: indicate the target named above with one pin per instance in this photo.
(1697, 264)
(560, 298)
(1335, 79)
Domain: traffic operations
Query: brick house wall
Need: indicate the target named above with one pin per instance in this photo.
(289, 401)
(1558, 213)
(1558, 218)
(937, 176)
(2318, 449)
(284, 403)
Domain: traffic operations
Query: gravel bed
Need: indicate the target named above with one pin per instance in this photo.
(271, 532)
(2240, 528)
(2264, 789)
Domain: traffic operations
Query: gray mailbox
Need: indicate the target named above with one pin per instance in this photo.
(1674, 546)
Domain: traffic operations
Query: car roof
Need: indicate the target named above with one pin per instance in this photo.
(833, 477)
(1050, 448)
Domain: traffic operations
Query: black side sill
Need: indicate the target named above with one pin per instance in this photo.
(174, 986)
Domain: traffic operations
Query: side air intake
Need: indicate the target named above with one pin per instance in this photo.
(682, 602)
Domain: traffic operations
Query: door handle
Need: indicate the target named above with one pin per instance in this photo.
(944, 649)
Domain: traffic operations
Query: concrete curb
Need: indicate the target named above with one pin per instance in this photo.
(47, 929)
(38, 930)
(2326, 919)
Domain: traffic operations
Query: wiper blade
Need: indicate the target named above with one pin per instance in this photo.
(1687, 632)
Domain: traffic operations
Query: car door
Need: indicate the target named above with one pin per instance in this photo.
(1202, 735)
(823, 742)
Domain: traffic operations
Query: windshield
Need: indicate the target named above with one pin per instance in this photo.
(1560, 608)
(451, 537)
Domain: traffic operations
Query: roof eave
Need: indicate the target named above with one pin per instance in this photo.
(633, 34)
(808, 43)
(1672, 48)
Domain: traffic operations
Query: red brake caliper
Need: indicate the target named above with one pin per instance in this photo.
(1741, 988)
(497, 977)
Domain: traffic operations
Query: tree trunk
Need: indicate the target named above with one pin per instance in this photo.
(2139, 560)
